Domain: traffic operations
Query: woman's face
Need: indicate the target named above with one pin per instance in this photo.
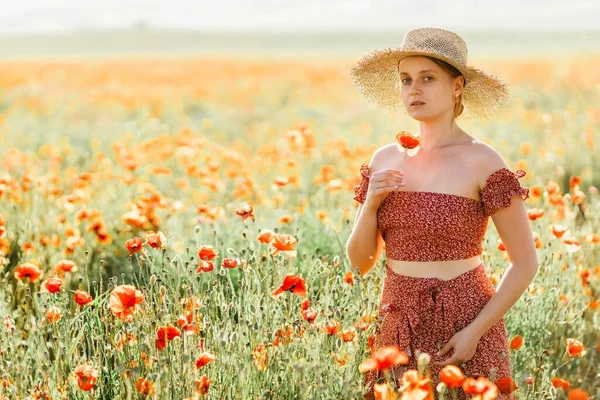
(424, 81)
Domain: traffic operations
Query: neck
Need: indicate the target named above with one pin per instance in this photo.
(438, 134)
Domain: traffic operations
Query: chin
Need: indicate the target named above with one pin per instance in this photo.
(421, 116)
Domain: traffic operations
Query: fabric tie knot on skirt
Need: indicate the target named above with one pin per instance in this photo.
(432, 299)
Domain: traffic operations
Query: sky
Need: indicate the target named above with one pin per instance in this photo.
(41, 16)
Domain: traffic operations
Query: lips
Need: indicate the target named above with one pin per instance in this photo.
(416, 103)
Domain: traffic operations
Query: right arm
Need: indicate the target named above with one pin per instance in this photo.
(365, 244)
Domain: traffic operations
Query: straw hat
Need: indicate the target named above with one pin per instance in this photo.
(377, 76)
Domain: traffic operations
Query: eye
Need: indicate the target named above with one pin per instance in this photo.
(426, 77)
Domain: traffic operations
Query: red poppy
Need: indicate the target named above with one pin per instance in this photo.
(292, 283)
(577, 197)
(406, 141)
(558, 230)
(416, 386)
(53, 314)
(156, 240)
(383, 391)
(305, 304)
(87, 376)
(205, 266)
(516, 343)
(384, 358)
(265, 236)
(245, 211)
(82, 298)
(65, 266)
(52, 285)
(452, 376)
(145, 387)
(309, 316)
(561, 383)
(480, 386)
(578, 394)
(134, 245)
(349, 336)
(124, 301)
(261, 357)
(536, 191)
(574, 181)
(203, 359)
(28, 248)
(207, 252)
(168, 332)
(501, 246)
(552, 187)
(535, 213)
(332, 327)
(285, 244)
(164, 334)
(191, 329)
(182, 320)
(529, 380)
(506, 385)
(202, 384)
(575, 348)
(230, 262)
(28, 270)
(349, 278)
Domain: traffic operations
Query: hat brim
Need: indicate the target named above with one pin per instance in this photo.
(376, 76)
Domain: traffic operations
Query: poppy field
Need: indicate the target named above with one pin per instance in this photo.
(176, 228)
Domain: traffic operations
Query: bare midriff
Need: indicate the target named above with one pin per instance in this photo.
(444, 270)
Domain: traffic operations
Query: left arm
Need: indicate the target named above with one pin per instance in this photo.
(514, 229)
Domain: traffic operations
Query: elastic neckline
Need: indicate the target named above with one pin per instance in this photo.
(441, 194)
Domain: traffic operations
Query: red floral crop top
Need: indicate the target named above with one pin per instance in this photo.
(431, 226)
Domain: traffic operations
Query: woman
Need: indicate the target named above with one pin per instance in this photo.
(437, 298)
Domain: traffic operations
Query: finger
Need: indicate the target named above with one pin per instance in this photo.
(388, 178)
(394, 181)
(386, 189)
(388, 172)
(452, 360)
(446, 348)
(390, 186)
(396, 187)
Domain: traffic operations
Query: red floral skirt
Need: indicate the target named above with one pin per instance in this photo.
(420, 315)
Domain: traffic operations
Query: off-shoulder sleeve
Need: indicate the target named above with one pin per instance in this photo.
(500, 187)
(360, 190)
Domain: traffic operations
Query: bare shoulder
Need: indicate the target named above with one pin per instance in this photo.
(486, 160)
(381, 157)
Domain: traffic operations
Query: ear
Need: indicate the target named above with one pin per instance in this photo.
(459, 84)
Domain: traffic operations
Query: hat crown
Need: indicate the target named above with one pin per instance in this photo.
(436, 41)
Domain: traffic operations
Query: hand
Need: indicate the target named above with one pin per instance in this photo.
(464, 343)
(381, 183)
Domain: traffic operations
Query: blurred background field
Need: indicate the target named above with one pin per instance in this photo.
(109, 135)
(333, 44)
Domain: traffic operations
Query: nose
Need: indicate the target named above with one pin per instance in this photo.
(414, 89)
